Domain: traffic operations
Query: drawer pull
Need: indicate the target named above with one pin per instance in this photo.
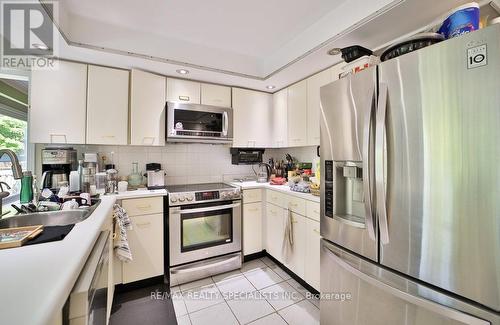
(253, 210)
(184, 98)
(108, 136)
(316, 231)
(143, 207)
(316, 211)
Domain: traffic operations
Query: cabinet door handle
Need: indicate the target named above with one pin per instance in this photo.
(52, 135)
(151, 138)
(253, 209)
(316, 211)
(316, 231)
(108, 136)
(184, 98)
(143, 224)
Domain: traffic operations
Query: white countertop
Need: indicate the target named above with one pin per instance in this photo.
(281, 188)
(36, 280)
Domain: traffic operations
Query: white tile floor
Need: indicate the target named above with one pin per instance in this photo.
(261, 293)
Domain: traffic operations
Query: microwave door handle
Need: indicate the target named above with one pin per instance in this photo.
(208, 209)
(369, 215)
(380, 155)
(225, 122)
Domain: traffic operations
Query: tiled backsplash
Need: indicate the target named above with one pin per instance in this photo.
(183, 163)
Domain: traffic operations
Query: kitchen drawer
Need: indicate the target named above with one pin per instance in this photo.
(312, 210)
(296, 204)
(250, 196)
(275, 198)
(137, 207)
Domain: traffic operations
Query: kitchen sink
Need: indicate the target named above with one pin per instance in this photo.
(51, 218)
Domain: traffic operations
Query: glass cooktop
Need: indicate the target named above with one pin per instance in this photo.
(198, 187)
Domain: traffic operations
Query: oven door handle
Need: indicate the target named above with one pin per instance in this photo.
(205, 266)
(207, 209)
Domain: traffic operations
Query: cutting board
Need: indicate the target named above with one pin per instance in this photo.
(16, 237)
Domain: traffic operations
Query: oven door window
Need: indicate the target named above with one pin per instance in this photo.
(206, 229)
(188, 120)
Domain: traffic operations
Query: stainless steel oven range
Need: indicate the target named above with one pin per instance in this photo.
(204, 231)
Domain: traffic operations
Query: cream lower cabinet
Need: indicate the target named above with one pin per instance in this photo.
(295, 260)
(146, 245)
(252, 228)
(304, 257)
(312, 253)
(274, 225)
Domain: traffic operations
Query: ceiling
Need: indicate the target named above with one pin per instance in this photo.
(250, 44)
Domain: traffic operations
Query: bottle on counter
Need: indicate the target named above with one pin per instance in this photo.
(36, 192)
(26, 195)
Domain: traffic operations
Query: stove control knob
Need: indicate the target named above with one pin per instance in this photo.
(182, 198)
(173, 199)
(190, 198)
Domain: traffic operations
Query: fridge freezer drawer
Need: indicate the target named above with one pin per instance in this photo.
(370, 295)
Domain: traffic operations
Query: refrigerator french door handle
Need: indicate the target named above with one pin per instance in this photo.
(370, 222)
(406, 295)
(379, 163)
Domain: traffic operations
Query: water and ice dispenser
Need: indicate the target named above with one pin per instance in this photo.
(346, 199)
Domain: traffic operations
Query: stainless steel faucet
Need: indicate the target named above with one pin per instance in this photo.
(17, 172)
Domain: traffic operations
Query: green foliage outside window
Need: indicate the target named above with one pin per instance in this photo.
(12, 134)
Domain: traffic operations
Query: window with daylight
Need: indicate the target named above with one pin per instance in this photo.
(13, 132)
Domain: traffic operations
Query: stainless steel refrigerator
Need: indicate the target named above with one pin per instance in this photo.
(410, 188)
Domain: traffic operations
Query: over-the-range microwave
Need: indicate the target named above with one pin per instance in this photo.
(198, 123)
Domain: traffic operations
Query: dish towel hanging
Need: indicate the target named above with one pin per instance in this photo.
(287, 247)
(121, 247)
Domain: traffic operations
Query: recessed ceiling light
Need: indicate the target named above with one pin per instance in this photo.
(335, 51)
(182, 71)
(40, 46)
(270, 87)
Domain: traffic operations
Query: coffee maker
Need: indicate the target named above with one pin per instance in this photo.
(57, 163)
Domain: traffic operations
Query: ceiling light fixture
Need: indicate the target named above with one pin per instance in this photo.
(270, 87)
(335, 51)
(182, 71)
(39, 46)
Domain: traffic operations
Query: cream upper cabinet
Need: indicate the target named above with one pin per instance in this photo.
(279, 119)
(215, 95)
(107, 106)
(58, 104)
(312, 255)
(252, 122)
(297, 114)
(183, 91)
(147, 109)
(314, 84)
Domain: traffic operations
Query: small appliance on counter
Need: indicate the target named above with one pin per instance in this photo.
(57, 163)
(246, 156)
(155, 176)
